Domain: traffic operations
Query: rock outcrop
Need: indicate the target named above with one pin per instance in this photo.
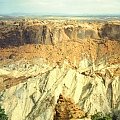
(66, 109)
(110, 31)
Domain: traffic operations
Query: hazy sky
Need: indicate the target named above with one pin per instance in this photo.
(76, 7)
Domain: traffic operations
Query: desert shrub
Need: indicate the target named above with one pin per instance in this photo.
(3, 116)
(101, 116)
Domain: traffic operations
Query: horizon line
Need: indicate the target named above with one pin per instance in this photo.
(55, 14)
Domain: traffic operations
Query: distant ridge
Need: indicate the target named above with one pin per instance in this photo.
(60, 15)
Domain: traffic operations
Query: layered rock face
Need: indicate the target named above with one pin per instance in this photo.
(51, 32)
(71, 76)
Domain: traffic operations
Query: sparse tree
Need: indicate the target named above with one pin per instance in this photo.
(3, 116)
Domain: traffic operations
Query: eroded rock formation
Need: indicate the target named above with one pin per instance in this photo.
(54, 32)
(78, 67)
(66, 109)
(110, 31)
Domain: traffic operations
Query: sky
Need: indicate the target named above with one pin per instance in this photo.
(60, 7)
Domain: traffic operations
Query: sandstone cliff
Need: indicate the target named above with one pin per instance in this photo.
(52, 32)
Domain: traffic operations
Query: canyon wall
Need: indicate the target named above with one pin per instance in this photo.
(51, 32)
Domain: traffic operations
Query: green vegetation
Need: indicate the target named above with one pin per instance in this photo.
(3, 116)
(101, 116)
